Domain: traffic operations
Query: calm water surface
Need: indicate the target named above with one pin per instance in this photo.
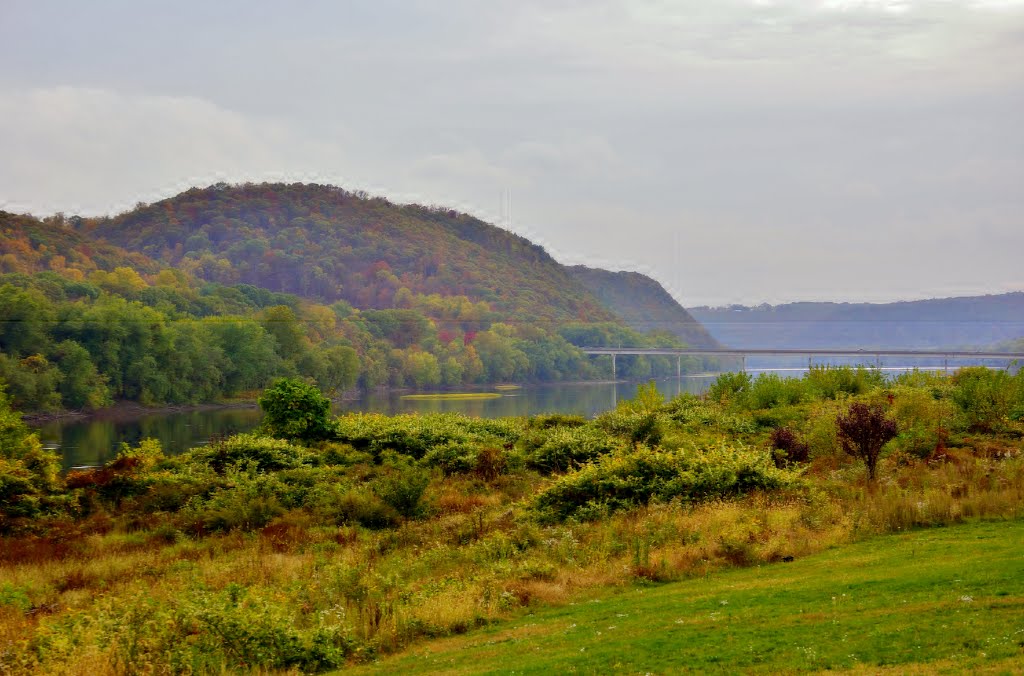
(94, 441)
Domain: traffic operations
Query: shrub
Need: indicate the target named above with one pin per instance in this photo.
(769, 390)
(263, 453)
(491, 463)
(771, 418)
(923, 421)
(729, 387)
(233, 630)
(636, 476)
(416, 435)
(453, 457)
(563, 448)
(547, 421)
(832, 382)
(364, 508)
(402, 488)
(787, 447)
(29, 473)
(344, 455)
(19, 496)
(688, 409)
(248, 501)
(293, 409)
(863, 431)
(637, 427)
(984, 397)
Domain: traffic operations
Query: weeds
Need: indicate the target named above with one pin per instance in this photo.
(269, 554)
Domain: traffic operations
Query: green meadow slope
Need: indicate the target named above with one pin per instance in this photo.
(942, 600)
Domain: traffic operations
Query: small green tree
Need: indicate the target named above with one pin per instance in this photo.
(863, 431)
(984, 397)
(294, 409)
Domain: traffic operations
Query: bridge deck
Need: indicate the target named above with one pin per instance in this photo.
(804, 352)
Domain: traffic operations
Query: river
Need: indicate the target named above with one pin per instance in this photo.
(95, 439)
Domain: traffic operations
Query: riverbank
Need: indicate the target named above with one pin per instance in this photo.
(399, 534)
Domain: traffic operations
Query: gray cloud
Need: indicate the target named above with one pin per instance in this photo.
(735, 150)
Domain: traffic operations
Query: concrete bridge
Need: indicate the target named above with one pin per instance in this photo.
(742, 353)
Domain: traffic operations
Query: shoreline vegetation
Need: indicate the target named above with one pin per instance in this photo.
(321, 542)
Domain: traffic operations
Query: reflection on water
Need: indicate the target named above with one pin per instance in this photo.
(94, 441)
(586, 399)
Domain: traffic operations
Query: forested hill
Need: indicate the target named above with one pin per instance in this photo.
(216, 292)
(328, 244)
(29, 245)
(643, 304)
(973, 321)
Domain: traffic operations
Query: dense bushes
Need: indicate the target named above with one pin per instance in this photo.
(416, 435)
(830, 382)
(769, 390)
(29, 473)
(634, 477)
(263, 554)
(985, 397)
(562, 448)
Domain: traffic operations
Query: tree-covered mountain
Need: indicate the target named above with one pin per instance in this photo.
(973, 321)
(214, 293)
(643, 304)
(328, 244)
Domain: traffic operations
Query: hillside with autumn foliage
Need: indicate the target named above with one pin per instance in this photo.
(326, 243)
(29, 244)
(216, 292)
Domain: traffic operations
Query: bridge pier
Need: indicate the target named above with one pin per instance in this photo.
(614, 372)
(679, 367)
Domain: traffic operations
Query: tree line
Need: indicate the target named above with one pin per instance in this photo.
(74, 342)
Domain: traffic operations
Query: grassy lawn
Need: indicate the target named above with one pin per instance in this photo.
(936, 600)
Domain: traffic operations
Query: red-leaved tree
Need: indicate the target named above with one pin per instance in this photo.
(863, 431)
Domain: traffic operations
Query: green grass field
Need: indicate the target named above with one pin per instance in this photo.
(945, 600)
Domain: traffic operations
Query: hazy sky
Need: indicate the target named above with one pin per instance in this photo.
(735, 150)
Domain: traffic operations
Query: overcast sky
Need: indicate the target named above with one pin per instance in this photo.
(735, 150)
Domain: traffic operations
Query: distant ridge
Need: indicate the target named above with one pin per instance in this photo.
(971, 321)
(643, 304)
